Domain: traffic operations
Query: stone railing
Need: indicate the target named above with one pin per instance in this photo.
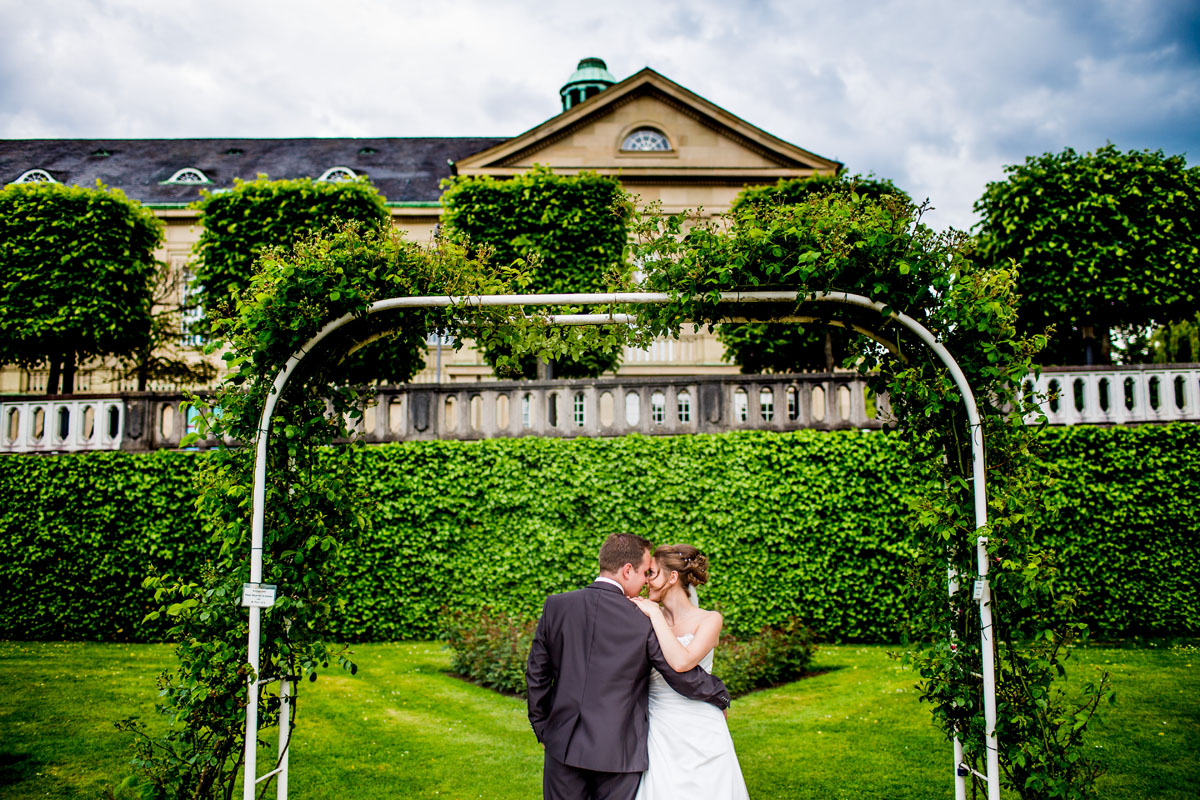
(150, 421)
(611, 407)
(1129, 395)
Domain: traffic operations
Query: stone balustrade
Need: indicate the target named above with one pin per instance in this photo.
(1126, 395)
(604, 407)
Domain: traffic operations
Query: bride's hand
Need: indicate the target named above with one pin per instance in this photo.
(647, 607)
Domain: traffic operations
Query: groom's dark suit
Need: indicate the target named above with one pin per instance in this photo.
(588, 680)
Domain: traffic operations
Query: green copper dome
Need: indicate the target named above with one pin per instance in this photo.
(590, 78)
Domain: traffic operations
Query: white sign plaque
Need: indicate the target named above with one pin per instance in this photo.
(258, 595)
(980, 588)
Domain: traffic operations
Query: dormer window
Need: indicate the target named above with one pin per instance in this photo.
(646, 139)
(188, 175)
(35, 176)
(338, 174)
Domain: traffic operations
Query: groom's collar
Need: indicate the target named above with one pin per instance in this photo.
(603, 580)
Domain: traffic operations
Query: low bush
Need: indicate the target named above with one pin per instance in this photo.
(490, 647)
(769, 658)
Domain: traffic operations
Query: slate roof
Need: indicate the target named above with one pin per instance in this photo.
(404, 170)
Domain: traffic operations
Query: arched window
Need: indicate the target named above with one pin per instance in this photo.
(741, 405)
(188, 175)
(527, 410)
(658, 408)
(766, 404)
(338, 174)
(632, 408)
(683, 402)
(580, 410)
(35, 176)
(646, 139)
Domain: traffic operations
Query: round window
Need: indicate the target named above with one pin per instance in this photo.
(646, 139)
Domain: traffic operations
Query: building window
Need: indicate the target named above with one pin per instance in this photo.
(188, 175)
(741, 405)
(191, 317)
(766, 404)
(35, 176)
(527, 410)
(658, 408)
(683, 401)
(338, 174)
(580, 410)
(646, 139)
(793, 403)
(552, 409)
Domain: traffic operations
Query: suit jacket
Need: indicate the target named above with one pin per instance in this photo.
(588, 679)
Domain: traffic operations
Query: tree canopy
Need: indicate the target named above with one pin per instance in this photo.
(1104, 240)
(77, 272)
(784, 214)
(254, 216)
(567, 231)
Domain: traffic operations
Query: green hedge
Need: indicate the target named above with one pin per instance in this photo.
(804, 526)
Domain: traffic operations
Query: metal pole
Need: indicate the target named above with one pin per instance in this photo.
(285, 736)
(635, 298)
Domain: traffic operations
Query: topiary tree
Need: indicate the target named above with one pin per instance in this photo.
(268, 218)
(254, 216)
(1105, 240)
(771, 347)
(569, 231)
(77, 272)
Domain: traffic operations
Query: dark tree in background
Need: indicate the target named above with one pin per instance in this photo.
(1105, 241)
(569, 231)
(788, 347)
(77, 274)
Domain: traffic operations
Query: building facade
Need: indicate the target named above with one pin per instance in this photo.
(662, 141)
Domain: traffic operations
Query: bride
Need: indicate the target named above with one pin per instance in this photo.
(691, 752)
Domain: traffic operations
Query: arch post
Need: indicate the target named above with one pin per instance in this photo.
(981, 593)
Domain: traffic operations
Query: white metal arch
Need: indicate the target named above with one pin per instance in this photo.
(961, 771)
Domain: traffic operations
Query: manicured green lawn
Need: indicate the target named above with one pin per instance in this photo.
(403, 728)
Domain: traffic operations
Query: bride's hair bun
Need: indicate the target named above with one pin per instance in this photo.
(688, 561)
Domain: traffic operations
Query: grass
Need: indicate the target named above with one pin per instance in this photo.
(404, 728)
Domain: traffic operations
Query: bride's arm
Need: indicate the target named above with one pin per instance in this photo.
(679, 657)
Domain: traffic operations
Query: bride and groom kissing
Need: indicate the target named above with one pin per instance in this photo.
(620, 694)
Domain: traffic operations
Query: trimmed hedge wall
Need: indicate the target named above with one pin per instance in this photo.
(806, 525)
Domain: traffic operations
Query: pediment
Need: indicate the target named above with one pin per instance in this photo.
(707, 142)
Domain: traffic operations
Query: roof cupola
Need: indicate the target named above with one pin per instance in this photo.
(590, 78)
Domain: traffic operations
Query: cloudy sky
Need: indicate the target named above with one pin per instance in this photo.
(936, 95)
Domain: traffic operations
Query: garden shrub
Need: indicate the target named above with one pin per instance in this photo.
(490, 648)
(768, 658)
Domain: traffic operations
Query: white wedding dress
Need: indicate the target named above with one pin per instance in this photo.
(691, 752)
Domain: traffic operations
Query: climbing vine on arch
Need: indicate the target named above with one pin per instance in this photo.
(877, 246)
(312, 512)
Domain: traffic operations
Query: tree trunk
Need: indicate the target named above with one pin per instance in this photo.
(1091, 350)
(143, 370)
(52, 378)
(68, 373)
(828, 350)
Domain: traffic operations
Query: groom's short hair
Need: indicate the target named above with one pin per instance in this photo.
(621, 549)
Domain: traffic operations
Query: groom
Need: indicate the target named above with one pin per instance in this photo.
(588, 678)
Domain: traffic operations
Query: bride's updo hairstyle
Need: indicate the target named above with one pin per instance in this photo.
(690, 563)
